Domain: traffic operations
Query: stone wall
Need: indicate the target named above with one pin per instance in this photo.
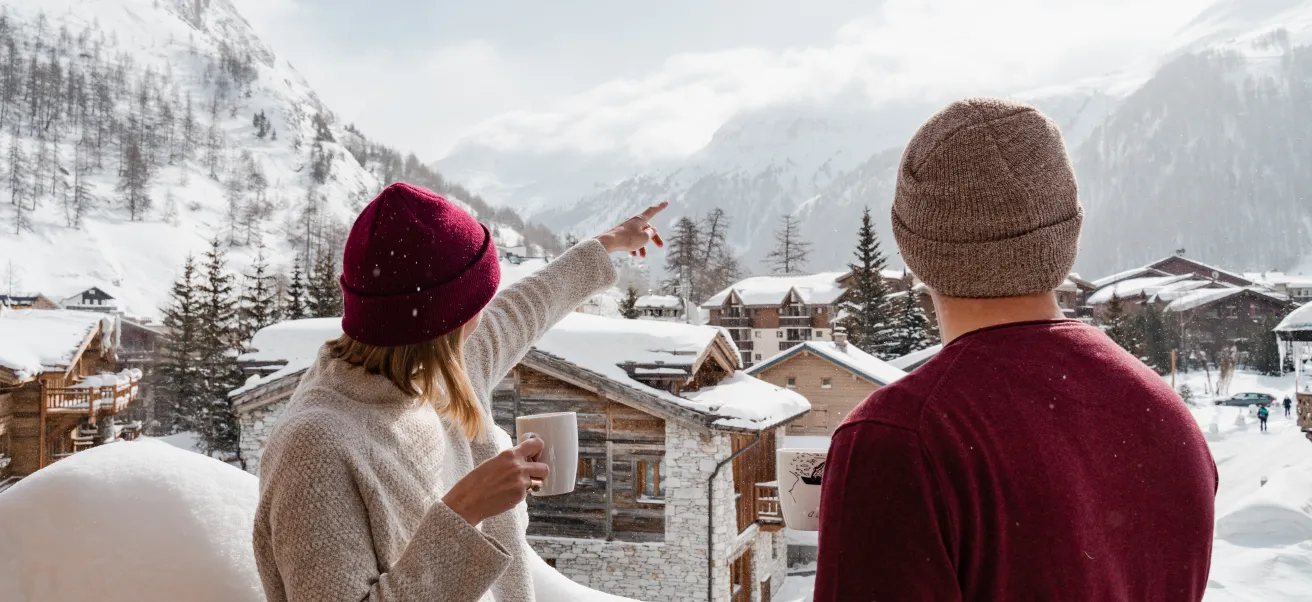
(675, 570)
(256, 425)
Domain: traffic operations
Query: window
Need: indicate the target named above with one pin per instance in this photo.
(778, 334)
(825, 383)
(819, 334)
(758, 357)
(758, 335)
(648, 474)
(591, 471)
(792, 382)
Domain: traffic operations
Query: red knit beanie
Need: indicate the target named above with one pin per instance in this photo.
(416, 267)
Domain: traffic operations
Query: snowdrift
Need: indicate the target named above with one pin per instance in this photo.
(148, 522)
(1280, 513)
(131, 522)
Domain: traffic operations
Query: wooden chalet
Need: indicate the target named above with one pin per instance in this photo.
(27, 301)
(92, 299)
(1295, 336)
(58, 391)
(834, 376)
(768, 314)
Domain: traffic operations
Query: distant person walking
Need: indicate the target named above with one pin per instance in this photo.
(1003, 469)
(1288, 405)
(1262, 415)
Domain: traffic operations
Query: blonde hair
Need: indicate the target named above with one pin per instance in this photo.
(428, 370)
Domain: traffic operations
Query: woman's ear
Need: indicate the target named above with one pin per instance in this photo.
(470, 326)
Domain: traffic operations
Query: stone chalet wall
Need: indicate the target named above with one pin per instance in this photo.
(255, 428)
(675, 570)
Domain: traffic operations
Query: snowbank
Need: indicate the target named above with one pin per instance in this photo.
(148, 522)
(131, 522)
(1278, 513)
(35, 340)
(1299, 319)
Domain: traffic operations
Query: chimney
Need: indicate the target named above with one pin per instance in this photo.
(840, 339)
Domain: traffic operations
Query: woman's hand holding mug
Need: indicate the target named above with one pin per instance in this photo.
(498, 484)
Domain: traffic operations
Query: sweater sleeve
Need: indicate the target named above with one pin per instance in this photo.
(313, 539)
(522, 313)
(880, 537)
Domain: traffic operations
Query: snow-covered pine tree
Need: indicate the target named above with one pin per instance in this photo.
(910, 332)
(628, 305)
(791, 251)
(1154, 338)
(258, 306)
(177, 374)
(1264, 347)
(325, 293)
(296, 305)
(1120, 326)
(867, 314)
(217, 351)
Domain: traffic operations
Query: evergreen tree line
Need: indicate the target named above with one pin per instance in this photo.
(698, 259)
(211, 317)
(1151, 334)
(72, 105)
(884, 324)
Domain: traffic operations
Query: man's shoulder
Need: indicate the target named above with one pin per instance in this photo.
(901, 403)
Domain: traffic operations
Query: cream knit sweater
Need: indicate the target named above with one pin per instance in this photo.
(353, 476)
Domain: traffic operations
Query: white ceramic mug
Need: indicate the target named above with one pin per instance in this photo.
(800, 473)
(559, 433)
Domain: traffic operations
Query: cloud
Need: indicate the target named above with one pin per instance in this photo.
(929, 49)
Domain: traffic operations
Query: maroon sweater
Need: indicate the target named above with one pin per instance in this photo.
(1031, 461)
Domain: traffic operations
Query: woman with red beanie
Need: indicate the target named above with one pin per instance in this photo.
(385, 478)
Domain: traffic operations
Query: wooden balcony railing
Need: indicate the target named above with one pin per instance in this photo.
(735, 322)
(769, 515)
(795, 321)
(109, 393)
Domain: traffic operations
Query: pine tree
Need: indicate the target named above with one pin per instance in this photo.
(217, 348)
(628, 305)
(911, 328)
(258, 305)
(1153, 339)
(296, 304)
(1119, 326)
(868, 317)
(178, 373)
(325, 294)
(570, 240)
(682, 254)
(790, 252)
(1264, 347)
(135, 182)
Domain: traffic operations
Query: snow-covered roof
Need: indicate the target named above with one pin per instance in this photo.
(1126, 275)
(291, 340)
(1201, 297)
(1176, 290)
(853, 359)
(659, 301)
(1133, 287)
(33, 341)
(1210, 268)
(821, 289)
(1300, 320)
(915, 358)
(1273, 279)
(602, 345)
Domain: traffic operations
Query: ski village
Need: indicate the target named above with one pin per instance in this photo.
(179, 201)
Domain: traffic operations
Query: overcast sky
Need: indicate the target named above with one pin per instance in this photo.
(655, 79)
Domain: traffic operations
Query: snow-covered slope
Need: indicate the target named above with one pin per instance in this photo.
(119, 75)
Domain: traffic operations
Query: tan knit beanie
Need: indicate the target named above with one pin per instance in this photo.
(986, 204)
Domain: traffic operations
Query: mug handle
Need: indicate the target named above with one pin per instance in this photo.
(525, 437)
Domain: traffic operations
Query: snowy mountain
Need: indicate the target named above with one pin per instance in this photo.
(1203, 148)
(133, 131)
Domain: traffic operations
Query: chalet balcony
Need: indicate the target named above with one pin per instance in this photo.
(769, 515)
(103, 393)
(735, 322)
(795, 321)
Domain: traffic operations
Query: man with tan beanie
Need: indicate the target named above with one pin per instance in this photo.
(1032, 458)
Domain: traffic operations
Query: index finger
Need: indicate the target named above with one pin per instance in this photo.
(654, 209)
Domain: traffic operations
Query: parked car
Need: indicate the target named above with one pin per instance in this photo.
(1248, 399)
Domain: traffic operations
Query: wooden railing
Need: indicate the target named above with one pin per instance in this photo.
(769, 515)
(111, 398)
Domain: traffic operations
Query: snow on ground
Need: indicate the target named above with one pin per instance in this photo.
(35, 340)
(1262, 551)
(148, 521)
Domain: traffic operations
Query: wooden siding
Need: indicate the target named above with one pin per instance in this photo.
(1180, 266)
(765, 317)
(756, 465)
(828, 406)
(613, 439)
